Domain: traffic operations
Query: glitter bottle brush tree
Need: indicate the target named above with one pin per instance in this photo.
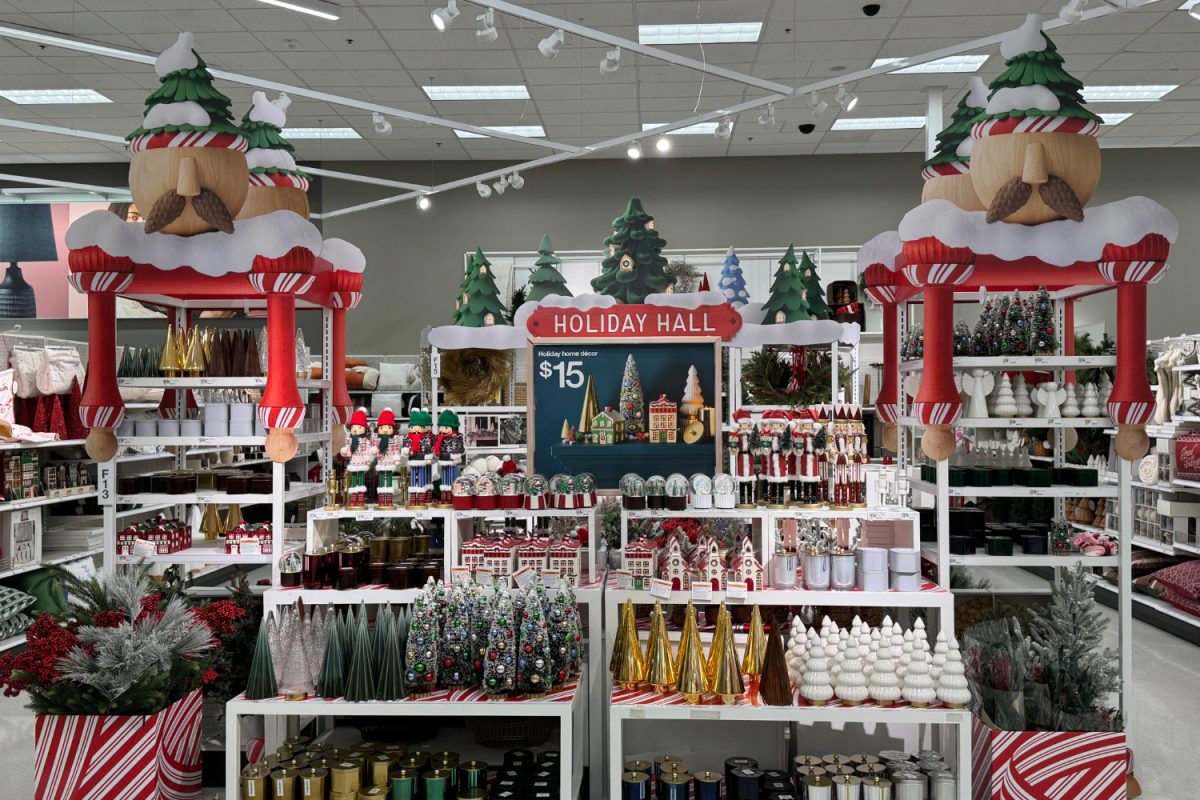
(1041, 325)
(533, 657)
(633, 402)
(500, 660)
(422, 647)
(456, 668)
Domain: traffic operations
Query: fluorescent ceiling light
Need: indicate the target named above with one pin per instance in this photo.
(476, 92)
(36, 97)
(320, 133)
(532, 131)
(964, 63)
(700, 33)
(315, 8)
(1114, 119)
(691, 130)
(877, 123)
(1126, 94)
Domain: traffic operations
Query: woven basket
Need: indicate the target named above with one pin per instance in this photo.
(506, 733)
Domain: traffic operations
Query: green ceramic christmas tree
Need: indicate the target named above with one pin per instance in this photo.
(360, 684)
(634, 265)
(546, 279)
(477, 259)
(786, 302)
(331, 682)
(814, 295)
(482, 306)
(261, 683)
(389, 684)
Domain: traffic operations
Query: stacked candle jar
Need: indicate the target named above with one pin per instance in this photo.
(397, 556)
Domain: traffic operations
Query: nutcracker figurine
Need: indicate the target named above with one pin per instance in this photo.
(809, 467)
(741, 457)
(359, 449)
(839, 460)
(388, 447)
(419, 451)
(795, 460)
(450, 452)
(772, 433)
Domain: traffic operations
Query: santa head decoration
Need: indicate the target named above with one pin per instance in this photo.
(358, 422)
(276, 183)
(1035, 156)
(776, 419)
(188, 174)
(386, 424)
(947, 173)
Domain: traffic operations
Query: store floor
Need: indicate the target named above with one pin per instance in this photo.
(1166, 682)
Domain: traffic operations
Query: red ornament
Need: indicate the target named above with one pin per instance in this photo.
(447, 663)
(492, 655)
(528, 648)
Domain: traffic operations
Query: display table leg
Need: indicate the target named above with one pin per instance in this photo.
(233, 754)
(596, 706)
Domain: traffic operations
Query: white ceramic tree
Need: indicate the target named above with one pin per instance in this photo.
(897, 642)
(1091, 401)
(906, 652)
(939, 656)
(842, 643)
(1070, 406)
(1104, 390)
(952, 686)
(1021, 396)
(1005, 404)
(851, 682)
(918, 686)
(884, 687)
(816, 687)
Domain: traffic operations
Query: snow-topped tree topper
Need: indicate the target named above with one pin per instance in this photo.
(1035, 133)
(633, 266)
(946, 173)
(275, 181)
(733, 282)
(188, 173)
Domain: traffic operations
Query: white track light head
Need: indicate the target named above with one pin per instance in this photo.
(500, 185)
(1072, 11)
(487, 27)
(516, 181)
(423, 202)
(442, 17)
(846, 99)
(663, 144)
(382, 126)
(767, 118)
(548, 47)
(724, 128)
(634, 150)
(611, 61)
(816, 104)
(484, 190)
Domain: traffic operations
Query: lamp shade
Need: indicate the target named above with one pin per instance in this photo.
(26, 233)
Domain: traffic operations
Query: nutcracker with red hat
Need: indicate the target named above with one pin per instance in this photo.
(795, 432)
(741, 457)
(808, 467)
(360, 450)
(388, 447)
(450, 450)
(419, 452)
(773, 434)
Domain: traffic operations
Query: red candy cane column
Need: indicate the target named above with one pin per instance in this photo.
(938, 269)
(101, 409)
(346, 294)
(281, 410)
(1131, 404)
(880, 287)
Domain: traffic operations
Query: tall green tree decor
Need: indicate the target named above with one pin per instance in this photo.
(482, 306)
(477, 259)
(786, 303)
(634, 265)
(814, 295)
(546, 279)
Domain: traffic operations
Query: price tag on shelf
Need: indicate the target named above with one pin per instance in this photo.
(660, 589)
(955, 561)
(205, 440)
(206, 382)
(552, 578)
(1038, 493)
(702, 592)
(364, 516)
(484, 576)
(624, 579)
(250, 547)
(460, 576)
(144, 549)
(736, 591)
(523, 576)
(1015, 422)
(1040, 360)
(637, 713)
(705, 713)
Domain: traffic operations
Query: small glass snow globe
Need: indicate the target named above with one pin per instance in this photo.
(512, 490)
(486, 490)
(562, 486)
(290, 566)
(633, 491)
(702, 491)
(536, 490)
(677, 492)
(585, 489)
(463, 492)
(724, 490)
(656, 491)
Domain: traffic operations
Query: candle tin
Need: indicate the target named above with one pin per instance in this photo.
(661, 761)
(804, 772)
(929, 765)
(840, 769)
(744, 784)
(816, 568)
(908, 786)
(283, 784)
(346, 776)
(420, 544)
(783, 570)
(639, 765)
(999, 545)
(254, 783)
(904, 559)
(807, 761)
(962, 545)
(472, 775)
(379, 766)
(706, 785)
(871, 581)
(841, 572)
(847, 787)
(775, 775)
(1033, 544)
(450, 765)
(416, 760)
(399, 548)
(635, 786)
(906, 582)
(836, 760)
(403, 784)
(863, 758)
(876, 788)
(674, 786)
(770, 787)
(942, 785)
(476, 793)
(928, 755)
(894, 755)
(818, 787)
(867, 770)
(435, 784)
(398, 576)
(313, 781)
(872, 559)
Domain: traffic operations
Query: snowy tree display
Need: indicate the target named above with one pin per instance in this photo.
(733, 283)
(1041, 328)
(1005, 405)
(270, 157)
(952, 688)
(533, 657)
(500, 660)
(481, 303)
(633, 267)
(564, 649)
(814, 294)
(851, 685)
(918, 686)
(953, 141)
(884, 687)
(997, 325)
(786, 302)
(546, 280)
(633, 402)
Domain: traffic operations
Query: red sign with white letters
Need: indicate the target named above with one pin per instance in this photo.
(635, 321)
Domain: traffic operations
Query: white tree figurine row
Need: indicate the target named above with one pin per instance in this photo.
(882, 664)
(986, 396)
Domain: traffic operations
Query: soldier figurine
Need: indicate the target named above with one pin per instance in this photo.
(450, 451)
(360, 450)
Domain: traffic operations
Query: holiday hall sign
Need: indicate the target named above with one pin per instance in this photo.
(635, 321)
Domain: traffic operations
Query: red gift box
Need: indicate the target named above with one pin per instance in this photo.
(111, 757)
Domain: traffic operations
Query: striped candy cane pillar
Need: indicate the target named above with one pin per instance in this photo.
(281, 410)
(1131, 404)
(881, 287)
(101, 409)
(938, 269)
(346, 294)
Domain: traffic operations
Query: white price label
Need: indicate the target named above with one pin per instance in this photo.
(144, 549)
(1040, 360)
(1015, 422)
(705, 713)
(206, 440)
(954, 561)
(460, 576)
(435, 366)
(624, 579)
(570, 373)
(736, 591)
(206, 382)
(702, 592)
(660, 589)
(1038, 493)
(364, 516)
(637, 713)
(523, 576)
(484, 576)
(250, 547)
(552, 578)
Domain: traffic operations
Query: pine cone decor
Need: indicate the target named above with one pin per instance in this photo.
(166, 210)
(1009, 199)
(209, 206)
(1059, 195)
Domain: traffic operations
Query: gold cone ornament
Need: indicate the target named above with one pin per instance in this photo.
(168, 361)
(619, 643)
(233, 517)
(718, 640)
(195, 362)
(210, 523)
(660, 665)
(690, 678)
(727, 674)
(631, 669)
(756, 646)
(590, 408)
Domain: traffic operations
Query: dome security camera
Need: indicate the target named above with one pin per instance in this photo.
(807, 128)
(871, 9)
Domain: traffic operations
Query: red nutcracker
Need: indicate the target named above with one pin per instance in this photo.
(774, 429)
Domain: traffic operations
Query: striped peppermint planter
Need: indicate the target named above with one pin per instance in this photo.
(1047, 765)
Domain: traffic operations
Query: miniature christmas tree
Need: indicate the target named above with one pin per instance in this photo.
(816, 687)
(546, 279)
(690, 676)
(692, 402)
(633, 403)
(455, 669)
(634, 265)
(270, 157)
(998, 324)
(383, 620)
(533, 658)
(660, 662)
(1016, 329)
(851, 683)
(786, 302)
(774, 685)
(477, 259)
(897, 642)
(1104, 390)
(954, 141)
(500, 661)
(1021, 397)
(482, 306)
(756, 645)
(75, 427)
(360, 683)
(1004, 405)
(58, 421)
(331, 682)
(884, 687)
(918, 687)
(261, 683)
(814, 295)
(480, 613)
(590, 408)
(296, 683)
(952, 688)
(725, 672)
(1032, 61)
(422, 648)
(962, 339)
(873, 652)
(733, 282)
(1041, 328)
(981, 337)
(939, 656)
(389, 682)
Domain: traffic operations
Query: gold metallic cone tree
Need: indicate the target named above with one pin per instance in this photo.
(233, 517)
(660, 664)
(710, 666)
(727, 673)
(631, 668)
(210, 523)
(619, 642)
(756, 646)
(168, 361)
(690, 678)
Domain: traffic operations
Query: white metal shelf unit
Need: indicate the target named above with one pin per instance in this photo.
(180, 315)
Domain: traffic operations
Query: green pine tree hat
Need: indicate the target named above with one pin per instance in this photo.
(953, 153)
(1034, 94)
(186, 110)
(271, 158)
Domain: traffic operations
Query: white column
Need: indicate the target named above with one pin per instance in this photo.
(933, 118)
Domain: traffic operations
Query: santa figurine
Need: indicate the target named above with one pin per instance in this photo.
(360, 450)
(419, 452)
(773, 433)
(741, 457)
(450, 451)
(388, 449)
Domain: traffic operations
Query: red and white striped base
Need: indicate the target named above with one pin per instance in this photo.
(281, 282)
(285, 417)
(887, 412)
(114, 282)
(946, 413)
(221, 141)
(1125, 413)
(341, 414)
(951, 274)
(1039, 124)
(1132, 271)
(111, 757)
(101, 416)
(345, 299)
(1046, 765)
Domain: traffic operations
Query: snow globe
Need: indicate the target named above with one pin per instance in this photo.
(677, 492)
(290, 567)
(702, 491)
(486, 489)
(724, 490)
(633, 491)
(512, 490)
(656, 492)
(463, 492)
(562, 488)
(585, 490)
(536, 490)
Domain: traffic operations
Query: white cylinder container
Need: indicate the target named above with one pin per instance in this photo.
(168, 427)
(904, 559)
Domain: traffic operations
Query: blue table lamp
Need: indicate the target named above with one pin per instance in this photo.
(26, 234)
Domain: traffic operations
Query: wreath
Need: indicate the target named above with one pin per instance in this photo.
(767, 373)
(474, 376)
